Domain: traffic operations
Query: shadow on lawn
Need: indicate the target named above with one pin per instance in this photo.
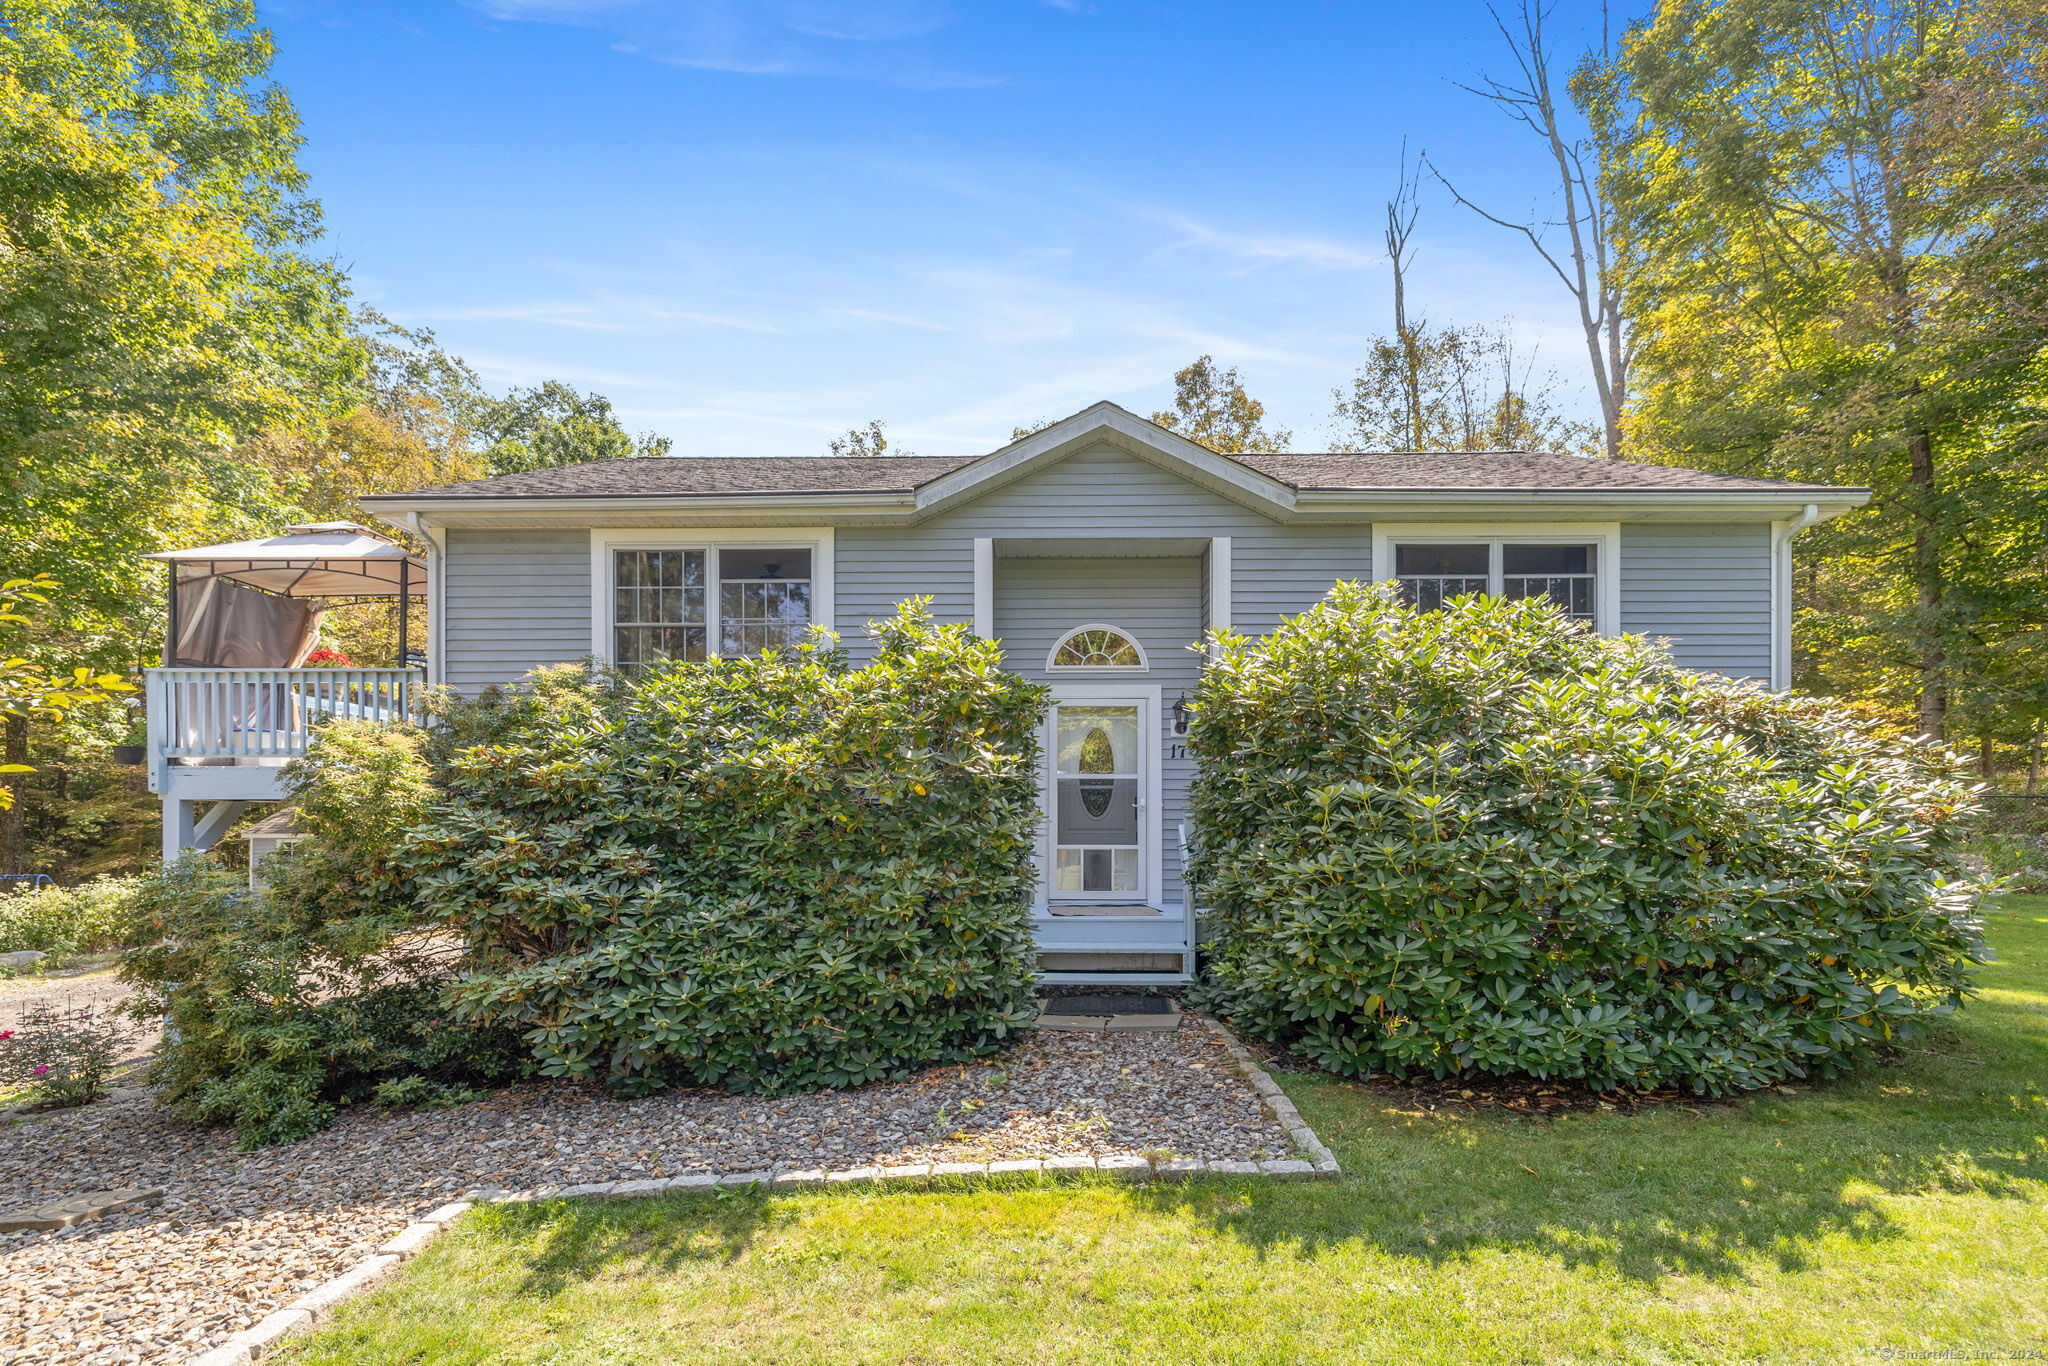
(569, 1242)
(1715, 1192)
(1713, 1195)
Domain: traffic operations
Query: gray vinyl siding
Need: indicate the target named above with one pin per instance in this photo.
(511, 602)
(517, 599)
(1105, 493)
(1704, 585)
(1156, 600)
(875, 568)
(1277, 576)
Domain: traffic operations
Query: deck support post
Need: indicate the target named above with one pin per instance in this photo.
(185, 831)
(180, 818)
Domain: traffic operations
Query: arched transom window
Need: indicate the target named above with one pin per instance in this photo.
(1096, 647)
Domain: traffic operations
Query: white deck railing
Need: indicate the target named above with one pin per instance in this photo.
(256, 714)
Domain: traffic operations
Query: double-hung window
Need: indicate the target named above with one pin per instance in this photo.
(1562, 573)
(1431, 572)
(694, 602)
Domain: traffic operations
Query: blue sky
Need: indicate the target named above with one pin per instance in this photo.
(755, 223)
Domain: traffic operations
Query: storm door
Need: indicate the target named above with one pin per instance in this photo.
(1097, 805)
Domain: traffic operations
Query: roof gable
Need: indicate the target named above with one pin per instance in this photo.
(1100, 424)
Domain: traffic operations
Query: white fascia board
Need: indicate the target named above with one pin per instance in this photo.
(1365, 505)
(739, 510)
(1173, 453)
(1126, 431)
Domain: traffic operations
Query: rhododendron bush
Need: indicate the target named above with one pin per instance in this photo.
(1485, 840)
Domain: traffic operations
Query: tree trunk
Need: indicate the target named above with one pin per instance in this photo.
(1930, 590)
(1614, 395)
(1987, 758)
(1411, 358)
(2033, 762)
(14, 820)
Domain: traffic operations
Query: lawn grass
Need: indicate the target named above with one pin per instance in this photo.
(1903, 1210)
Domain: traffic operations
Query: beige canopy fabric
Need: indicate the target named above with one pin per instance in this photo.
(223, 625)
(318, 560)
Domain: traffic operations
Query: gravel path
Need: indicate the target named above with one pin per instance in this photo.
(98, 990)
(240, 1234)
(98, 987)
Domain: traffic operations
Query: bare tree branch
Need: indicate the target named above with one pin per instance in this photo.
(1585, 265)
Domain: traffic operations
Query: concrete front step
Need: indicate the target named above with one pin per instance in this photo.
(1049, 1019)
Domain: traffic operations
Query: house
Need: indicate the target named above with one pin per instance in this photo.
(1097, 550)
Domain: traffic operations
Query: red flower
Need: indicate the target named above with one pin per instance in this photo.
(327, 654)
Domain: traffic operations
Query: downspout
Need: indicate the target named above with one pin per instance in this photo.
(1781, 593)
(435, 537)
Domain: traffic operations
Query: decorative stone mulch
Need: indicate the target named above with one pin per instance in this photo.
(238, 1235)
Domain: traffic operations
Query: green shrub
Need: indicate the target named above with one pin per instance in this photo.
(89, 918)
(771, 874)
(1485, 840)
(285, 1003)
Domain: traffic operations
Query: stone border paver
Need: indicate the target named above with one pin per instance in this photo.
(1305, 1138)
(318, 1304)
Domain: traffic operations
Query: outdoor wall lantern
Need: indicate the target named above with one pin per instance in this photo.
(1180, 715)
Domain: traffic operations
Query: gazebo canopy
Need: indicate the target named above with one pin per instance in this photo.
(319, 560)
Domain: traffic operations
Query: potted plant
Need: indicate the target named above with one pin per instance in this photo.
(133, 745)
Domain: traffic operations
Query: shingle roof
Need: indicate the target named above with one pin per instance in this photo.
(1497, 470)
(703, 475)
(714, 476)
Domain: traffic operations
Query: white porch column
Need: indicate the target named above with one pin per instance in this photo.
(1781, 594)
(1219, 583)
(985, 587)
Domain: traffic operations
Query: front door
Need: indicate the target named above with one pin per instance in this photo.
(1099, 813)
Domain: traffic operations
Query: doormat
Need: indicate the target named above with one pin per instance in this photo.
(1109, 1003)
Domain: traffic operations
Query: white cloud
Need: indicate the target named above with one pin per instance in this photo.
(875, 40)
(871, 315)
(592, 316)
(1262, 249)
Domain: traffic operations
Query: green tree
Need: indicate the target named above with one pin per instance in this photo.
(156, 300)
(157, 304)
(29, 691)
(1455, 388)
(1210, 406)
(1425, 387)
(409, 430)
(554, 423)
(870, 440)
(1833, 217)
